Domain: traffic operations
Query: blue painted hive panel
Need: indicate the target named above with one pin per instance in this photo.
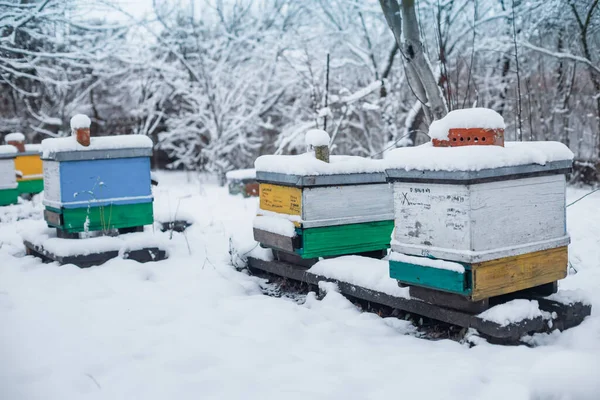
(103, 182)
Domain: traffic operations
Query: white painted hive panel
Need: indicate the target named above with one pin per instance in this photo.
(52, 183)
(515, 212)
(8, 177)
(337, 205)
(480, 222)
(432, 215)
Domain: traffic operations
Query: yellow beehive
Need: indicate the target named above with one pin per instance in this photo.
(27, 163)
(31, 169)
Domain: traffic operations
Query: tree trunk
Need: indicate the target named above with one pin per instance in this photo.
(584, 24)
(415, 55)
(418, 71)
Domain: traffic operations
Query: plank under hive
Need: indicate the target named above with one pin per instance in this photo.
(9, 192)
(98, 190)
(333, 215)
(504, 229)
(564, 316)
(29, 163)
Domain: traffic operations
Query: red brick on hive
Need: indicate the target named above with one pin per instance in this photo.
(18, 144)
(472, 137)
(17, 140)
(83, 136)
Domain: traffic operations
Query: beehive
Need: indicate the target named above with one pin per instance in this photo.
(28, 164)
(242, 181)
(9, 192)
(334, 209)
(495, 215)
(103, 186)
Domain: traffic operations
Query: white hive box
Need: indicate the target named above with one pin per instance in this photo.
(349, 190)
(474, 204)
(8, 177)
(346, 199)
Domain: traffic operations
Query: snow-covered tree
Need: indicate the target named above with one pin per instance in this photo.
(216, 83)
(52, 55)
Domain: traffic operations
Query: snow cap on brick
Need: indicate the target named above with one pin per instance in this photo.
(14, 137)
(484, 118)
(80, 121)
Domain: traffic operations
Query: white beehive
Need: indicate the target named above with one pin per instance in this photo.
(476, 203)
(8, 177)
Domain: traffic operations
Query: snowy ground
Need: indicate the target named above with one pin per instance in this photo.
(192, 327)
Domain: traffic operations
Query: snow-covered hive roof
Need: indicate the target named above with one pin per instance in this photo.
(306, 164)
(33, 148)
(8, 151)
(476, 158)
(67, 148)
(306, 170)
(30, 150)
(241, 174)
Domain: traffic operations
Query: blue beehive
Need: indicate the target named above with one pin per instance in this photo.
(103, 186)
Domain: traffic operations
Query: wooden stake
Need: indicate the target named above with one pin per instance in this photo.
(322, 153)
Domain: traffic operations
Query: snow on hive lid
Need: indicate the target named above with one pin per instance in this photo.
(8, 151)
(316, 137)
(240, 174)
(80, 121)
(33, 148)
(14, 137)
(306, 170)
(483, 119)
(476, 158)
(307, 164)
(61, 149)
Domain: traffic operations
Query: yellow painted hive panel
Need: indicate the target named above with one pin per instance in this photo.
(281, 199)
(31, 167)
(511, 274)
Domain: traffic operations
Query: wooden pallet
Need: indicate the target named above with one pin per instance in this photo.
(567, 316)
(143, 255)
